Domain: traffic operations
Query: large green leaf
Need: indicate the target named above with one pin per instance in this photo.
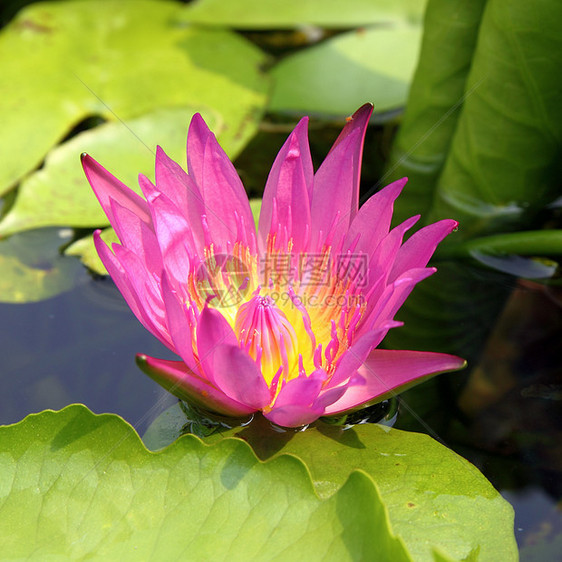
(277, 14)
(64, 61)
(435, 101)
(435, 499)
(492, 168)
(504, 162)
(74, 485)
(341, 74)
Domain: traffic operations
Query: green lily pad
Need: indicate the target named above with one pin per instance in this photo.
(341, 74)
(118, 59)
(59, 193)
(33, 269)
(436, 500)
(279, 14)
(75, 485)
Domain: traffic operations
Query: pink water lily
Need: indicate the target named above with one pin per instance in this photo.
(285, 320)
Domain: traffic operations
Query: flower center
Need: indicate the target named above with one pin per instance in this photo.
(265, 333)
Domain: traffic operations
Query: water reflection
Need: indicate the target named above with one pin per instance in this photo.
(78, 347)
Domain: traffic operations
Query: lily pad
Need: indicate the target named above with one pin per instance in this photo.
(33, 269)
(436, 500)
(279, 14)
(341, 74)
(75, 485)
(118, 59)
(59, 193)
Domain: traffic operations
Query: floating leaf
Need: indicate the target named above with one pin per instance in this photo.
(59, 193)
(118, 59)
(74, 485)
(278, 14)
(33, 269)
(435, 499)
(343, 73)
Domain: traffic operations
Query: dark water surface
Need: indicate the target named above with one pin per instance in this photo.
(78, 347)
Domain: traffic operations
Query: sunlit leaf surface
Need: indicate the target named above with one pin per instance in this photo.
(59, 194)
(435, 499)
(65, 61)
(74, 485)
(342, 73)
(278, 14)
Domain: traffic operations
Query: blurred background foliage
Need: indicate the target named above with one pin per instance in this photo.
(468, 105)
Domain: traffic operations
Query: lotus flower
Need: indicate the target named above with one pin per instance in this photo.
(285, 320)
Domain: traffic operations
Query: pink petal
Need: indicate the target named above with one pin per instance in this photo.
(226, 204)
(328, 396)
(178, 324)
(287, 188)
(147, 290)
(302, 390)
(385, 253)
(394, 296)
(335, 198)
(355, 356)
(377, 292)
(418, 249)
(295, 403)
(213, 330)
(333, 194)
(121, 279)
(183, 193)
(358, 121)
(237, 375)
(178, 379)
(173, 181)
(175, 239)
(227, 366)
(388, 372)
(137, 236)
(372, 222)
(294, 415)
(107, 187)
(119, 276)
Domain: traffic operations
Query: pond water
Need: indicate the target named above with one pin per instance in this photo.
(80, 346)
